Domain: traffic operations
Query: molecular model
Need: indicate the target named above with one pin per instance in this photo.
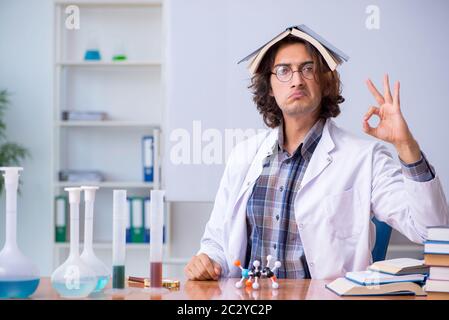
(253, 275)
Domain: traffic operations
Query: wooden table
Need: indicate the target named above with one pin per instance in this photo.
(225, 290)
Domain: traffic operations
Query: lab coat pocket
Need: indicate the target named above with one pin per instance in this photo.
(343, 213)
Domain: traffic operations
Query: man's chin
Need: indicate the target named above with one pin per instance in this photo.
(298, 109)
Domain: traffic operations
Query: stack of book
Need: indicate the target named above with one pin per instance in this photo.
(436, 256)
(402, 276)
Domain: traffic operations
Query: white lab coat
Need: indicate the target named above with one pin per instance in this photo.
(347, 181)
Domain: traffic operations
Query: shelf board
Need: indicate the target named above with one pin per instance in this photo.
(106, 184)
(105, 245)
(130, 246)
(95, 3)
(125, 63)
(105, 123)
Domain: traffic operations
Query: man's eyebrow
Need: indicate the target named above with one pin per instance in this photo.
(289, 64)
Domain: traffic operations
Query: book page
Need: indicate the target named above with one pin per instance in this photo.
(257, 58)
(332, 63)
(400, 263)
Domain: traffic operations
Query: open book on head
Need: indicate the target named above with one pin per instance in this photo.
(332, 55)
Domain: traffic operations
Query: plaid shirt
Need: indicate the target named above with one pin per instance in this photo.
(270, 211)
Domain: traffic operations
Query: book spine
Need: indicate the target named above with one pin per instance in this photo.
(147, 211)
(128, 220)
(436, 242)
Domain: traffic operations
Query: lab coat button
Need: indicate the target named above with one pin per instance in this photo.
(301, 226)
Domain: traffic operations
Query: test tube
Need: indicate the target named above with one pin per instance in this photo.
(156, 236)
(119, 239)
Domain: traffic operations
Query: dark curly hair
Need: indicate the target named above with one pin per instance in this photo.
(329, 82)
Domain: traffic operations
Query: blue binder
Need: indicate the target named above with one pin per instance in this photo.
(128, 220)
(148, 158)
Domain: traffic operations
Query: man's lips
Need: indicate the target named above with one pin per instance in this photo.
(297, 94)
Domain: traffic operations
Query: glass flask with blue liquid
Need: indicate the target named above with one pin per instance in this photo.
(19, 276)
(88, 256)
(74, 279)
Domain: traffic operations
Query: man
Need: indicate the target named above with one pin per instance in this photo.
(310, 190)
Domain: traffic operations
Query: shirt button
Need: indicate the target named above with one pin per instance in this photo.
(281, 188)
(274, 246)
(277, 217)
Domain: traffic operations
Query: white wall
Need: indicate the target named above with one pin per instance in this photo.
(207, 38)
(26, 71)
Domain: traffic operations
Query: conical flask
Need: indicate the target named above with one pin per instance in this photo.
(19, 276)
(88, 256)
(74, 279)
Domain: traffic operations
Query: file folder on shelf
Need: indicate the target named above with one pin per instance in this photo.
(148, 158)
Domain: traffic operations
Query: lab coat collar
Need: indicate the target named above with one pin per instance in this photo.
(325, 145)
(321, 157)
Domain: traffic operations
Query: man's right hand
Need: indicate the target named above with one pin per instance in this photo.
(201, 267)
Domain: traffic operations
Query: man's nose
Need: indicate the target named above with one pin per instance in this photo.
(297, 79)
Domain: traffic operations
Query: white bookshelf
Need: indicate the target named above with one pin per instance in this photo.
(131, 92)
(114, 64)
(109, 123)
(106, 184)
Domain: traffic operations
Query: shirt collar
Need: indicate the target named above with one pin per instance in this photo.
(310, 141)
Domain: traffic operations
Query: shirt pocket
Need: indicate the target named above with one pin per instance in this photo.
(343, 214)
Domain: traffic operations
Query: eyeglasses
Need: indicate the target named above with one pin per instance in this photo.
(284, 73)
